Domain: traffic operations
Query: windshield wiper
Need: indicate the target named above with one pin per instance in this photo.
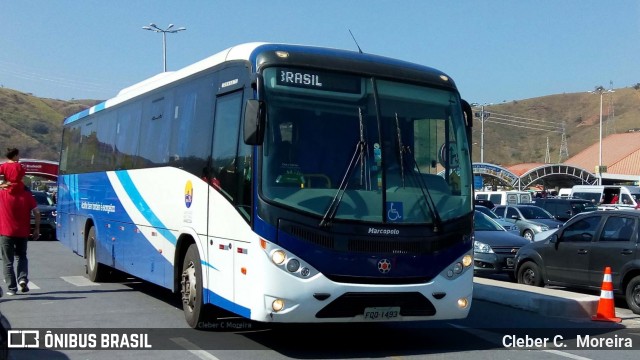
(400, 149)
(358, 156)
(431, 205)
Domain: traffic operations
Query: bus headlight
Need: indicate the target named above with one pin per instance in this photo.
(278, 257)
(457, 268)
(467, 260)
(463, 303)
(286, 261)
(293, 265)
(277, 305)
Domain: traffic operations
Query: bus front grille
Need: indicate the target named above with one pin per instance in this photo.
(353, 304)
(312, 236)
(374, 245)
(384, 246)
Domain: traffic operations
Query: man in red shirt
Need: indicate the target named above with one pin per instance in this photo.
(12, 171)
(15, 226)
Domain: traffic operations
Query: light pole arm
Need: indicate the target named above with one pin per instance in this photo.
(154, 28)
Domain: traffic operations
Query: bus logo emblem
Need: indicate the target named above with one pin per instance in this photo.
(188, 194)
(384, 266)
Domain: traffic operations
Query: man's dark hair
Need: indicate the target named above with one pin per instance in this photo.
(12, 152)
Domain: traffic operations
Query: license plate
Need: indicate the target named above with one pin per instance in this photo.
(381, 313)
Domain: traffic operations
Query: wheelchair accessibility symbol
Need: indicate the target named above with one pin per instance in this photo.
(394, 211)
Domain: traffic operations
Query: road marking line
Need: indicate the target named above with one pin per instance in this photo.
(32, 286)
(492, 337)
(566, 354)
(193, 348)
(79, 281)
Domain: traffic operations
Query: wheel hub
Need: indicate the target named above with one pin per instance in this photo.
(528, 277)
(188, 283)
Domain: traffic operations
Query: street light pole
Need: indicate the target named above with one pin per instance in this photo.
(600, 90)
(484, 116)
(600, 144)
(482, 134)
(153, 27)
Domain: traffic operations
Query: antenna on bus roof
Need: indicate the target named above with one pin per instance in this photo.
(355, 41)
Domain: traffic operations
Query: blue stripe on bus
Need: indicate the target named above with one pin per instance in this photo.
(209, 265)
(143, 207)
(99, 107)
(85, 112)
(218, 300)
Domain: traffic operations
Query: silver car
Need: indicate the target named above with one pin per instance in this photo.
(530, 219)
(507, 225)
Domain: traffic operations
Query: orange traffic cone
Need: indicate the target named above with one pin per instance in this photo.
(606, 305)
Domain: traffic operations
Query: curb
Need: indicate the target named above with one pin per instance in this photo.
(544, 301)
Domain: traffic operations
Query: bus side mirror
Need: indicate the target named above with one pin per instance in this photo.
(254, 122)
(466, 109)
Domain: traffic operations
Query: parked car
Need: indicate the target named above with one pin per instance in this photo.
(494, 248)
(483, 202)
(502, 197)
(47, 215)
(530, 219)
(508, 225)
(543, 235)
(609, 197)
(564, 209)
(577, 254)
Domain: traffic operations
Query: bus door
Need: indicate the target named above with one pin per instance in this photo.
(67, 192)
(229, 205)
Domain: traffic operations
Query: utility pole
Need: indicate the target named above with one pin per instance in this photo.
(610, 125)
(564, 148)
(547, 155)
(483, 116)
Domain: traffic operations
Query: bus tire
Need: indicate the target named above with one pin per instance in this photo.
(191, 288)
(529, 274)
(632, 295)
(96, 272)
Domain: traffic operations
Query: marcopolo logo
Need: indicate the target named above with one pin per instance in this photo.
(383, 231)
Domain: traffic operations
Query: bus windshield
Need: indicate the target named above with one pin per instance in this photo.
(364, 149)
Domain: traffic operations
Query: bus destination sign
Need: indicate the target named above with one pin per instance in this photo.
(318, 80)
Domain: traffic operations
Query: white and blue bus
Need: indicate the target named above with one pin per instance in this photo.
(282, 183)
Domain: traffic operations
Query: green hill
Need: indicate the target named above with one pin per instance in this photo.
(33, 124)
(515, 132)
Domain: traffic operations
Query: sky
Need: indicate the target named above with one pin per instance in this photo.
(495, 50)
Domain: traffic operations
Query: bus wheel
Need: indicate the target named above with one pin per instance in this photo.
(96, 272)
(633, 295)
(191, 287)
